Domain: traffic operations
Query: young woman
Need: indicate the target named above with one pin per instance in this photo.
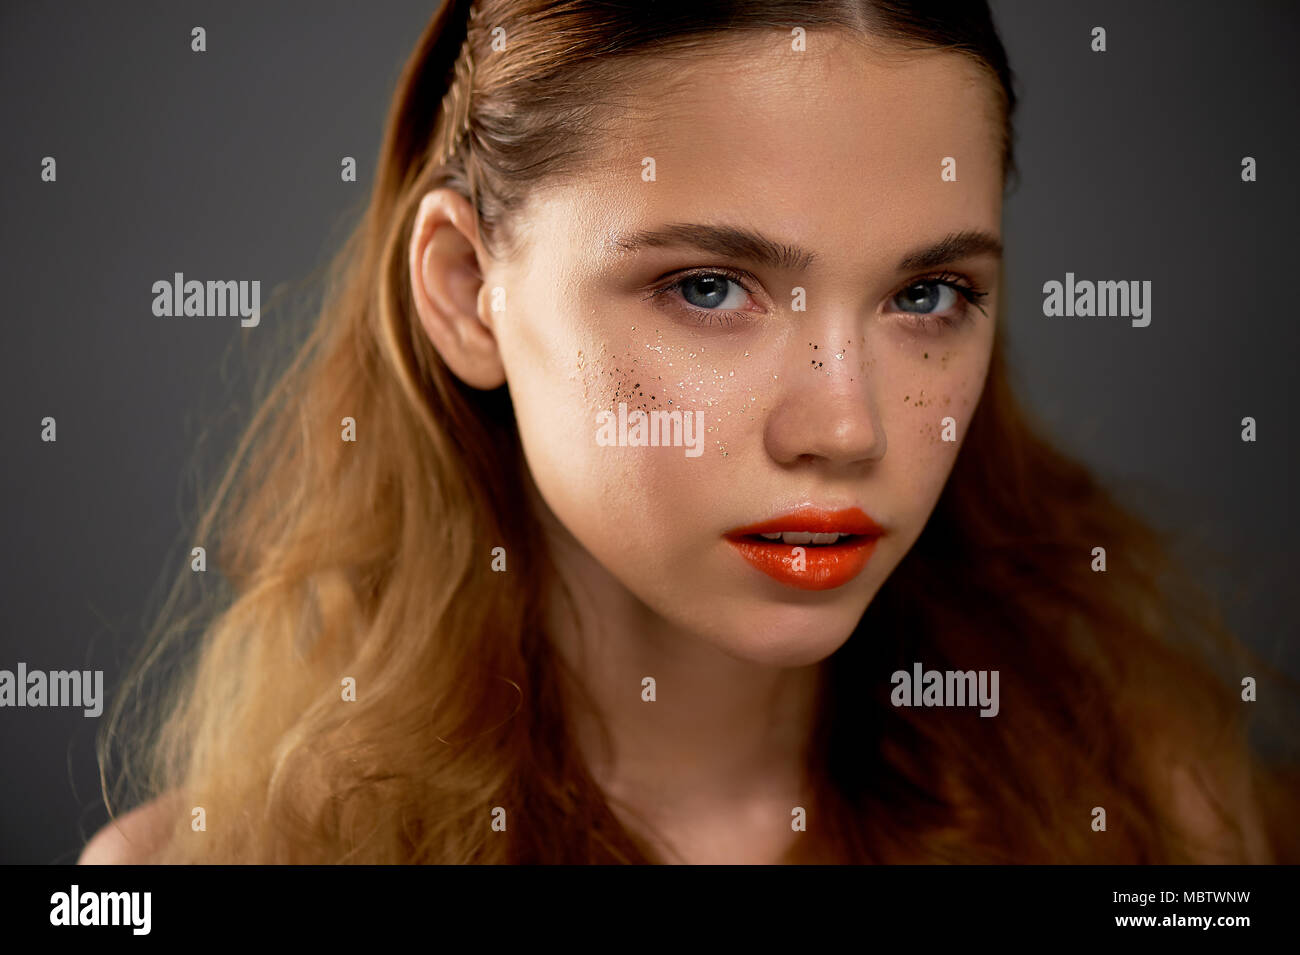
(654, 447)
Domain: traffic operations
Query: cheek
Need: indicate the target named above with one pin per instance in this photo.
(567, 374)
(927, 397)
(661, 367)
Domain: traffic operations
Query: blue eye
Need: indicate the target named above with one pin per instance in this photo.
(938, 302)
(707, 297)
(710, 290)
(927, 297)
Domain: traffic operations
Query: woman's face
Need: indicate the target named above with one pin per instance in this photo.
(769, 244)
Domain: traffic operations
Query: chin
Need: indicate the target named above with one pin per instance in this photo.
(786, 635)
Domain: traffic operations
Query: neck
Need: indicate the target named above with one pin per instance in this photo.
(722, 737)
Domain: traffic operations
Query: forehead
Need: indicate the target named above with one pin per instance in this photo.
(830, 141)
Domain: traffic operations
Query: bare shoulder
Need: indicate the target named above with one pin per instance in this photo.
(1219, 812)
(132, 838)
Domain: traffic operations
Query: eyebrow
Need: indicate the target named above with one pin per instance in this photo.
(741, 243)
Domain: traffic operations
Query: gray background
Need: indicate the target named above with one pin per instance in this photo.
(226, 165)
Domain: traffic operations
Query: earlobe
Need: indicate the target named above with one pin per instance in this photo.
(446, 282)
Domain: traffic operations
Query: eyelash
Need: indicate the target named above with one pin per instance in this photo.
(970, 296)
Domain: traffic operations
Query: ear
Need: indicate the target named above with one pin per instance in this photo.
(446, 284)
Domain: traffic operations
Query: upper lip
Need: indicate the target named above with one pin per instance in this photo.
(816, 520)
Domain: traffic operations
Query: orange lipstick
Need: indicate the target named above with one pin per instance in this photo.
(810, 548)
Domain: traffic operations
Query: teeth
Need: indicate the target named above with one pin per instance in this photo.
(803, 537)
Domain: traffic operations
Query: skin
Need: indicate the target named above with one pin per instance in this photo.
(837, 150)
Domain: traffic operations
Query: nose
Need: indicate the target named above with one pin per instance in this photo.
(826, 413)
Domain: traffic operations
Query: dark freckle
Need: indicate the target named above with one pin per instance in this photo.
(926, 355)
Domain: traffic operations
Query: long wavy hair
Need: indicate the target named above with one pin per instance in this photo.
(365, 560)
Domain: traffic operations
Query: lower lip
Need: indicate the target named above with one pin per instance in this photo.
(825, 566)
